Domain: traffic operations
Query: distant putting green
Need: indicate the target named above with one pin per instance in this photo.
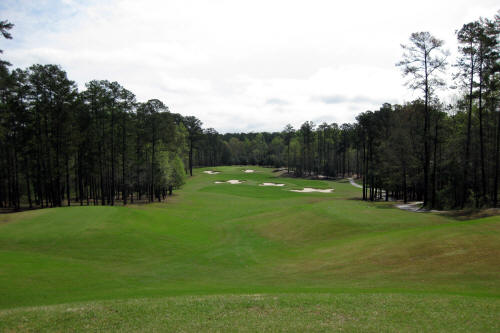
(221, 256)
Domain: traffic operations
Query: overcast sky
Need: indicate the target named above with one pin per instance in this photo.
(237, 65)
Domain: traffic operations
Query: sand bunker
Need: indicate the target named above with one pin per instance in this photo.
(309, 189)
(231, 181)
(249, 171)
(271, 184)
(211, 172)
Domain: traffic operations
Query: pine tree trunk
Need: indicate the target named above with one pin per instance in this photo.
(28, 188)
(497, 160)
(467, 143)
(434, 169)
(426, 139)
(112, 187)
(124, 152)
(191, 156)
(481, 137)
(67, 181)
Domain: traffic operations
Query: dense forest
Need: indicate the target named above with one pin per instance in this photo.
(97, 146)
(100, 146)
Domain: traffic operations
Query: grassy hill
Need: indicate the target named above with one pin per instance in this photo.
(248, 257)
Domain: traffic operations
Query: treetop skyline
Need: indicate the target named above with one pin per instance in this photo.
(237, 66)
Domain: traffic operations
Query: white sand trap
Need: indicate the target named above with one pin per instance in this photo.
(309, 189)
(211, 172)
(231, 181)
(249, 171)
(271, 184)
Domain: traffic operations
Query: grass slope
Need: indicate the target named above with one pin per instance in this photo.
(282, 260)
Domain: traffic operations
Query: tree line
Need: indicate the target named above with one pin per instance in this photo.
(100, 145)
(444, 155)
(60, 146)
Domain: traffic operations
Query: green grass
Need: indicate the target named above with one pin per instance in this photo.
(246, 257)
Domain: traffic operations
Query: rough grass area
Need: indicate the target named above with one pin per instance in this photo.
(261, 313)
(248, 257)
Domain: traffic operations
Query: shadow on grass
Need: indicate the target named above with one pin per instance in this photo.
(385, 206)
(311, 177)
(471, 213)
(355, 199)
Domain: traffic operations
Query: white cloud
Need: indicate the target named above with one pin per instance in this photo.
(224, 61)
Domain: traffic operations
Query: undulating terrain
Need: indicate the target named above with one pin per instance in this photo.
(249, 257)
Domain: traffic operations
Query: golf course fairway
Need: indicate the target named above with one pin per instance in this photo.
(243, 257)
